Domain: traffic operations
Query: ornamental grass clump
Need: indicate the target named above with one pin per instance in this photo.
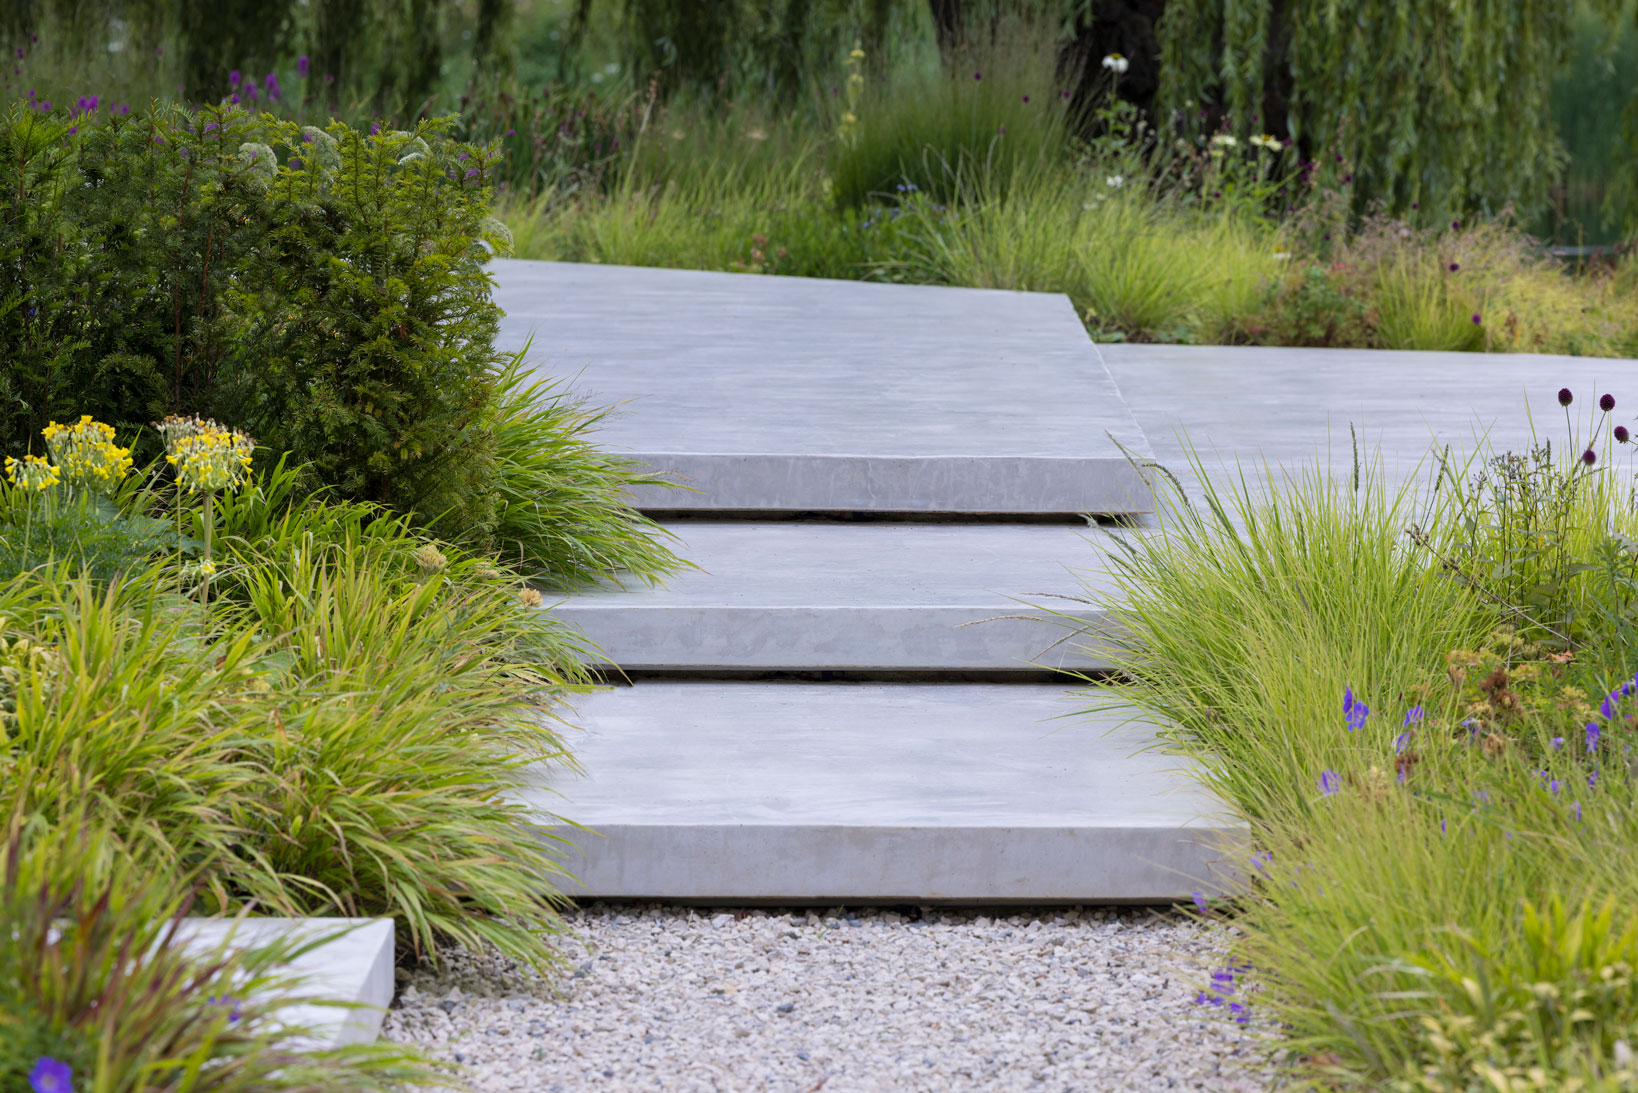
(1423, 702)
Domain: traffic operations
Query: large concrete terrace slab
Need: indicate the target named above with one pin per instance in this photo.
(1293, 407)
(778, 394)
(910, 597)
(882, 792)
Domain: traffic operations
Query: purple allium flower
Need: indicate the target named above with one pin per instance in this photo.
(1401, 742)
(1564, 396)
(1589, 457)
(1339, 157)
(301, 65)
(1621, 434)
(1455, 225)
(1200, 901)
(1416, 204)
(51, 1076)
(978, 75)
(1593, 733)
(1477, 319)
(1454, 266)
(233, 78)
(1026, 98)
(1606, 402)
(1330, 782)
(1066, 94)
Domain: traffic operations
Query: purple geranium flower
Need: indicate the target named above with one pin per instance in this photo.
(51, 1076)
(1401, 742)
(1592, 736)
(1330, 782)
(1412, 716)
(1557, 742)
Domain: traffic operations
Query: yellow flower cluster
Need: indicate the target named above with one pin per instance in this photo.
(206, 456)
(86, 454)
(31, 473)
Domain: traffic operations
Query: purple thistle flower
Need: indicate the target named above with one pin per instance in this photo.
(1200, 901)
(1606, 402)
(1593, 734)
(1416, 204)
(51, 1076)
(301, 65)
(1564, 396)
(1589, 457)
(1330, 783)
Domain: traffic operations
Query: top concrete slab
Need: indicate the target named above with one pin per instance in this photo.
(797, 394)
(1293, 407)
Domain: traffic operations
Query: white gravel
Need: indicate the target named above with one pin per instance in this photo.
(689, 999)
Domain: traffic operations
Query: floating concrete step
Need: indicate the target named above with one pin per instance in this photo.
(877, 792)
(785, 394)
(858, 596)
(352, 964)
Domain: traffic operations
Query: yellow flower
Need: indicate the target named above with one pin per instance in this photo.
(86, 454)
(206, 456)
(31, 473)
(207, 568)
(429, 558)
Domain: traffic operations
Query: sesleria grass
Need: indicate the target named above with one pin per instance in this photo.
(1441, 799)
(343, 738)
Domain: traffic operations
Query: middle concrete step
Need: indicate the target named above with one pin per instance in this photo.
(859, 596)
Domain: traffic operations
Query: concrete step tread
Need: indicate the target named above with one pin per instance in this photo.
(799, 394)
(874, 595)
(877, 791)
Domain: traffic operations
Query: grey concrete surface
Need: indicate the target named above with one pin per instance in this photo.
(913, 792)
(798, 394)
(354, 967)
(798, 596)
(1293, 406)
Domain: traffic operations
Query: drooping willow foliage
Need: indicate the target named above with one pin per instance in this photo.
(387, 55)
(1437, 108)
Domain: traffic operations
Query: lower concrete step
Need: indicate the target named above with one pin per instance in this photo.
(346, 960)
(892, 792)
(895, 596)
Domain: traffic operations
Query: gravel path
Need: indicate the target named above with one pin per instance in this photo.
(686, 999)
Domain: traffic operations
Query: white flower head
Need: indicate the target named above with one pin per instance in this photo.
(1224, 140)
(1266, 141)
(1114, 182)
(1117, 64)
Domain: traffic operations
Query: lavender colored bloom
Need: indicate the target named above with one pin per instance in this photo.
(51, 1076)
(1564, 396)
(1330, 783)
(1576, 808)
(235, 1012)
(301, 65)
(1557, 742)
(1592, 780)
(1607, 707)
(1554, 786)
(1592, 736)
(1442, 829)
(1412, 716)
(1200, 901)
(1606, 402)
(1400, 743)
(233, 78)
